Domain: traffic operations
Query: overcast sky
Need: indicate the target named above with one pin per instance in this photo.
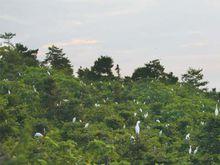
(181, 33)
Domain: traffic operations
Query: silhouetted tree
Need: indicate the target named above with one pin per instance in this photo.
(103, 66)
(85, 73)
(170, 78)
(28, 56)
(194, 77)
(153, 70)
(56, 58)
(7, 37)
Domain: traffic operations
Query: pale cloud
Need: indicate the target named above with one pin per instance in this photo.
(11, 19)
(73, 23)
(213, 3)
(134, 8)
(195, 44)
(74, 42)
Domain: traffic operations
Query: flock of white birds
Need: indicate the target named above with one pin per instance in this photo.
(137, 126)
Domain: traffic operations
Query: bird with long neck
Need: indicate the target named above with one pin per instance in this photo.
(216, 110)
(137, 129)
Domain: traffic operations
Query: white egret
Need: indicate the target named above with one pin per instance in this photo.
(124, 126)
(135, 114)
(74, 120)
(216, 110)
(65, 100)
(86, 125)
(132, 139)
(140, 110)
(187, 136)
(202, 123)
(137, 128)
(196, 150)
(97, 105)
(35, 90)
(190, 149)
(48, 73)
(160, 133)
(146, 115)
(37, 134)
(9, 92)
(158, 121)
(167, 125)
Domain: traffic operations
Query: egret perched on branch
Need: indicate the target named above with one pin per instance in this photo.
(196, 150)
(202, 123)
(86, 125)
(216, 110)
(187, 136)
(140, 110)
(37, 134)
(65, 100)
(190, 149)
(97, 105)
(137, 128)
(48, 73)
(35, 90)
(74, 120)
(135, 114)
(9, 92)
(160, 133)
(146, 115)
(132, 139)
(158, 121)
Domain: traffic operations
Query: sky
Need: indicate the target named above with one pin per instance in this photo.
(181, 33)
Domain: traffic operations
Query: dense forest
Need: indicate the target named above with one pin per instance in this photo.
(48, 115)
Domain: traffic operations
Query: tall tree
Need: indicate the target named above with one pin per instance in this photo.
(170, 78)
(56, 58)
(117, 69)
(7, 37)
(194, 77)
(153, 70)
(103, 66)
(29, 56)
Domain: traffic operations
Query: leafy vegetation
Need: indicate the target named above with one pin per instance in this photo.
(91, 119)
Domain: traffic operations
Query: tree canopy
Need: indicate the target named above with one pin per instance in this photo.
(56, 58)
(48, 116)
(194, 77)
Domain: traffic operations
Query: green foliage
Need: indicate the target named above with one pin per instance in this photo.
(88, 121)
(7, 37)
(56, 58)
(154, 70)
(194, 77)
(103, 66)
